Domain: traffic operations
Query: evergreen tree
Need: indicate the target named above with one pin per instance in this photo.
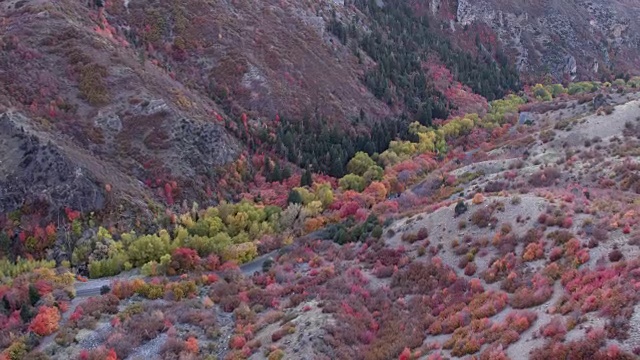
(286, 173)
(6, 305)
(5, 244)
(306, 179)
(276, 174)
(26, 313)
(34, 295)
(294, 197)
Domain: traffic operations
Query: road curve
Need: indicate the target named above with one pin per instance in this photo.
(92, 287)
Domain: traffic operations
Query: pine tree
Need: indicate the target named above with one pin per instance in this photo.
(5, 243)
(276, 174)
(286, 173)
(6, 305)
(306, 179)
(34, 295)
(294, 197)
(26, 313)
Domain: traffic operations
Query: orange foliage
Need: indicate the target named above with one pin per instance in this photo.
(112, 355)
(313, 224)
(478, 199)
(46, 322)
(377, 191)
(192, 345)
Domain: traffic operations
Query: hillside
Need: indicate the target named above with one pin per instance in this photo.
(520, 242)
(577, 40)
(358, 179)
(151, 100)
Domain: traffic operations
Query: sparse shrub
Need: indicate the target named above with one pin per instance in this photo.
(460, 208)
(423, 233)
(470, 269)
(422, 250)
(600, 234)
(560, 236)
(555, 328)
(482, 217)
(615, 255)
(533, 251)
(544, 178)
(91, 84)
(409, 237)
(478, 199)
(276, 354)
(495, 186)
(547, 135)
(556, 253)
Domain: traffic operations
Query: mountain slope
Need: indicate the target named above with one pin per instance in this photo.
(164, 93)
(576, 39)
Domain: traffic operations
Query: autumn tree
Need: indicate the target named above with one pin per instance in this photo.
(184, 259)
(46, 321)
(352, 182)
(360, 163)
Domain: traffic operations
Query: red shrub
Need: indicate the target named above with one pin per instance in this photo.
(46, 322)
(555, 328)
(184, 259)
(237, 342)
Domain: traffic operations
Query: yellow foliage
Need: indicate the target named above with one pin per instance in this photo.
(240, 252)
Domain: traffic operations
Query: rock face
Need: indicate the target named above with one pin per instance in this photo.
(575, 39)
(36, 172)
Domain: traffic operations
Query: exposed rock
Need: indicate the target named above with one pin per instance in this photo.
(35, 171)
(570, 67)
(599, 101)
(577, 38)
(435, 6)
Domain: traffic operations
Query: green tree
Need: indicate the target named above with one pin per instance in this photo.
(26, 313)
(360, 163)
(352, 182)
(376, 232)
(5, 243)
(34, 295)
(294, 197)
(305, 180)
(325, 195)
(276, 174)
(147, 248)
(374, 173)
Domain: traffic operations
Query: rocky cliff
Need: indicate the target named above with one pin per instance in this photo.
(575, 39)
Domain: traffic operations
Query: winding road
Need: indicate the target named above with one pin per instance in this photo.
(92, 287)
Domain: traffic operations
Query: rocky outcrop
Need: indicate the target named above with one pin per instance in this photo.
(34, 171)
(574, 39)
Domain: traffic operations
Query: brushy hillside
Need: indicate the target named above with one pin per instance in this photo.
(149, 101)
(492, 236)
(332, 180)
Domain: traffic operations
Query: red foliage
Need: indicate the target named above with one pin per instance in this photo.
(44, 287)
(192, 345)
(46, 322)
(71, 214)
(405, 355)
(184, 259)
(349, 209)
(237, 342)
(168, 193)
